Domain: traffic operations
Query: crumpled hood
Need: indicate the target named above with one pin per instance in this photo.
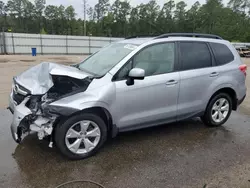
(38, 79)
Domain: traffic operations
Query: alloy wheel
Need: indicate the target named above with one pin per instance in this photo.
(220, 110)
(82, 137)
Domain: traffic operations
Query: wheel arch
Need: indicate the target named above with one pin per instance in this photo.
(98, 110)
(104, 114)
(231, 92)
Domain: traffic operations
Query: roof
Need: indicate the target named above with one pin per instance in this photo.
(136, 41)
(140, 41)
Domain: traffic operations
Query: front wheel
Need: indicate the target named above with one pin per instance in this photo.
(218, 110)
(81, 136)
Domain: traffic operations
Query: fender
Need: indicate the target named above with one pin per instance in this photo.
(100, 97)
(209, 95)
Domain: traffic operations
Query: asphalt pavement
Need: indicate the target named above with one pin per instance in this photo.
(180, 155)
(183, 154)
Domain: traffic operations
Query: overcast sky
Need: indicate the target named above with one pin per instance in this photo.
(78, 4)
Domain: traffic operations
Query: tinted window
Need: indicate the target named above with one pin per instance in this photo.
(222, 54)
(156, 59)
(195, 55)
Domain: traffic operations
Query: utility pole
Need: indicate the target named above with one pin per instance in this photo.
(84, 13)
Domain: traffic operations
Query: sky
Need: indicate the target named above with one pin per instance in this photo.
(78, 4)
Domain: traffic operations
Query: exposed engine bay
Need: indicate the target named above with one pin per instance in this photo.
(64, 86)
(32, 111)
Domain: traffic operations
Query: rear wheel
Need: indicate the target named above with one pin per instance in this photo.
(81, 136)
(218, 110)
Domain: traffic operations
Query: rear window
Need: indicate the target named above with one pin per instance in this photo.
(222, 53)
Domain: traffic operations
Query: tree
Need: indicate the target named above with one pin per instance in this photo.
(90, 13)
(51, 15)
(43, 32)
(193, 18)
(70, 17)
(180, 16)
(16, 9)
(3, 16)
(2, 5)
(120, 19)
(153, 11)
(62, 21)
(210, 15)
(101, 9)
(39, 7)
(134, 22)
(165, 19)
(70, 13)
(28, 16)
(235, 5)
(120, 12)
(246, 6)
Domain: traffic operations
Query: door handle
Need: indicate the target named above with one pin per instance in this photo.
(171, 82)
(214, 74)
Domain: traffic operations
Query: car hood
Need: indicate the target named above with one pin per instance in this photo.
(38, 79)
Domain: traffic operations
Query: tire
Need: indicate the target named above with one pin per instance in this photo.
(76, 122)
(208, 119)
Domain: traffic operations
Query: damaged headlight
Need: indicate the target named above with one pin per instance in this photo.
(34, 103)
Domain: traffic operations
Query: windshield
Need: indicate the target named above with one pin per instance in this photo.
(102, 61)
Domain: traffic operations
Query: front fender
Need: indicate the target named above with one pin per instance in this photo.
(68, 110)
(100, 97)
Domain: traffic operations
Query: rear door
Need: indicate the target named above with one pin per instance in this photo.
(197, 73)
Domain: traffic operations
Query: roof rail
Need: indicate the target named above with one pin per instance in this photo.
(141, 36)
(197, 35)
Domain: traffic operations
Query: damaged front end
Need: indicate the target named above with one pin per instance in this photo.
(33, 92)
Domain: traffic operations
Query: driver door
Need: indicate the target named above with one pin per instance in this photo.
(153, 100)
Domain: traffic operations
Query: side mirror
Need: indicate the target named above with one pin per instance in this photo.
(135, 74)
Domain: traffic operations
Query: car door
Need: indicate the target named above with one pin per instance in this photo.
(197, 74)
(152, 100)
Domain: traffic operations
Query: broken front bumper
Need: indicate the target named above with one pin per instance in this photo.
(19, 113)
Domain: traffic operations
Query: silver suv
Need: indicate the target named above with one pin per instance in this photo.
(132, 84)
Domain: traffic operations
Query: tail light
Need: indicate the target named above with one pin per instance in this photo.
(243, 69)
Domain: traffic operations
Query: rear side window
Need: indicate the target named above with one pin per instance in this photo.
(222, 53)
(195, 55)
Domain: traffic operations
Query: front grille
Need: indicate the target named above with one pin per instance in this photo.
(18, 98)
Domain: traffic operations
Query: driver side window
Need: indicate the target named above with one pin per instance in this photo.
(155, 59)
(124, 71)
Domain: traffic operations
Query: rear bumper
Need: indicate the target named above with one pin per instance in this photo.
(241, 100)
